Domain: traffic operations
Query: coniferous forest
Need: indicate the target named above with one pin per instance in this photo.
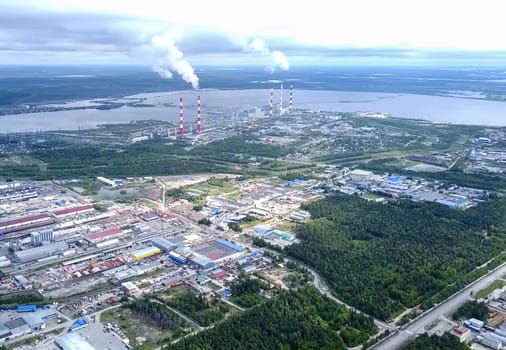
(382, 258)
(305, 319)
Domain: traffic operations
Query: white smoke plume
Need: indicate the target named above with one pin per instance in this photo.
(278, 58)
(167, 58)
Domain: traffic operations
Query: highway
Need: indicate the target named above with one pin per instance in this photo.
(447, 307)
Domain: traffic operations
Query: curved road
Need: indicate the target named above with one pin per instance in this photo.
(419, 325)
(320, 284)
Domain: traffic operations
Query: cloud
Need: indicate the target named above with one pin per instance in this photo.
(166, 57)
(278, 58)
(73, 31)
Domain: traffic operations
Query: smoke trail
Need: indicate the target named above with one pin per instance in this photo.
(278, 58)
(166, 58)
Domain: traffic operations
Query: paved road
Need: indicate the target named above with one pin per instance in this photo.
(324, 289)
(418, 326)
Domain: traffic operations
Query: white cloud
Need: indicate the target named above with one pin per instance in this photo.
(319, 24)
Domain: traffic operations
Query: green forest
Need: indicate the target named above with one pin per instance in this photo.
(445, 342)
(203, 311)
(57, 159)
(383, 258)
(305, 319)
(245, 291)
(471, 309)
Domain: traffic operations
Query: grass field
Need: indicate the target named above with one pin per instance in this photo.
(495, 285)
(134, 328)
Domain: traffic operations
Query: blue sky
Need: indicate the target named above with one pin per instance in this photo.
(173, 36)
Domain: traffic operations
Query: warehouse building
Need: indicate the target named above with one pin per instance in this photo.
(358, 175)
(73, 211)
(96, 237)
(73, 341)
(43, 251)
(200, 261)
(163, 244)
(25, 223)
(17, 327)
(4, 332)
(145, 252)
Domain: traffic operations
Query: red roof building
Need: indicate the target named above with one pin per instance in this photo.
(25, 221)
(72, 211)
(103, 235)
(217, 274)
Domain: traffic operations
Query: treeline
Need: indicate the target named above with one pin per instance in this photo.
(153, 313)
(433, 342)
(305, 319)
(383, 258)
(224, 149)
(245, 291)
(471, 309)
(203, 311)
(77, 160)
(63, 160)
(9, 301)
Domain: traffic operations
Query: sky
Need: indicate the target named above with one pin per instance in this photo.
(176, 36)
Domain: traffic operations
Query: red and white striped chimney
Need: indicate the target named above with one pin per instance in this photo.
(291, 98)
(281, 100)
(270, 103)
(181, 128)
(198, 116)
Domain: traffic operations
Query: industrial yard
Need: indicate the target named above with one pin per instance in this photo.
(120, 244)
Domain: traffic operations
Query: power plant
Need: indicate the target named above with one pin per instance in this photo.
(291, 98)
(281, 100)
(181, 127)
(270, 103)
(198, 116)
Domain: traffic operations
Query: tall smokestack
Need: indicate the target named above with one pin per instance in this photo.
(198, 116)
(291, 98)
(281, 100)
(270, 103)
(181, 128)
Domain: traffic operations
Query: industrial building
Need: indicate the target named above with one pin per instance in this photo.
(178, 258)
(163, 244)
(73, 211)
(17, 326)
(200, 262)
(463, 334)
(43, 251)
(73, 341)
(25, 222)
(27, 308)
(37, 237)
(78, 324)
(4, 332)
(358, 175)
(103, 235)
(131, 289)
(106, 181)
(4, 261)
(283, 235)
(217, 274)
(217, 252)
(145, 252)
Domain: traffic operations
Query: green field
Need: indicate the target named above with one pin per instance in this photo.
(495, 285)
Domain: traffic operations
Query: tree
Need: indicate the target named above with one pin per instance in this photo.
(204, 221)
(471, 309)
(235, 226)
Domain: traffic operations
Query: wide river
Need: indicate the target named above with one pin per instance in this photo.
(433, 108)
